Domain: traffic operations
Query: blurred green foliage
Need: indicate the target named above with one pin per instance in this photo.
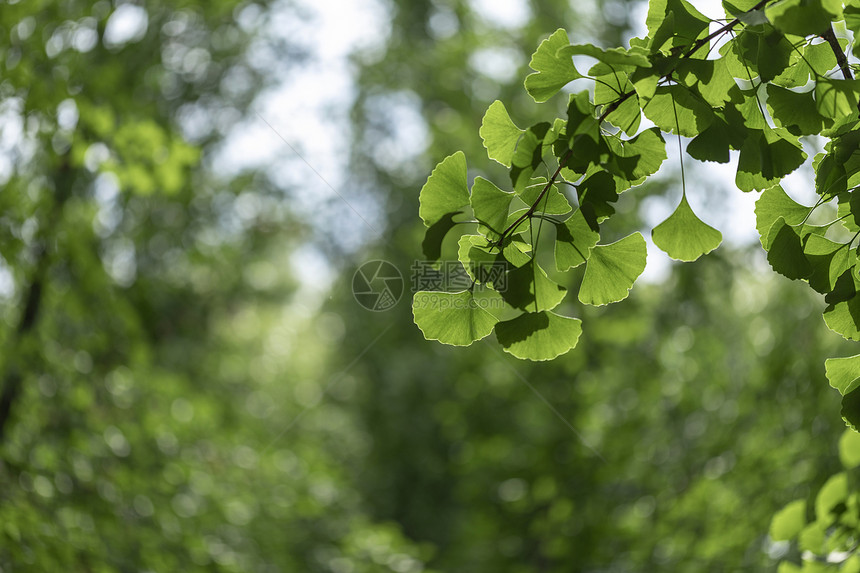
(180, 400)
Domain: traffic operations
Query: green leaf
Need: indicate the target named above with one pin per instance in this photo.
(528, 154)
(767, 156)
(813, 61)
(831, 179)
(435, 234)
(836, 98)
(610, 84)
(612, 269)
(712, 144)
(851, 409)
(828, 261)
(709, 78)
(663, 33)
(446, 190)
(551, 71)
(694, 113)
(499, 133)
(842, 314)
(849, 447)
(785, 251)
(490, 204)
(539, 336)
(529, 288)
(636, 158)
(596, 193)
(689, 22)
(773, 204)
(583, 133)
(685, 237)
(764, 50)
(458, 319)
(552, 203)
(574, 240)
(788, 521)
(801, 17)
(616, 57)
(474, 253)
(794, 111)
(843, 373)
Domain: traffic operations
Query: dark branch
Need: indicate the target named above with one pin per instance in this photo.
(837, 51)
(13, 378)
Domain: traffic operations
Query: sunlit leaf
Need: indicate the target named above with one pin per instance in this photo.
(539, 336)
(458, 319)
(499, 133)
(446, 190)
(612, 269)
(685, 237)
(552, 72)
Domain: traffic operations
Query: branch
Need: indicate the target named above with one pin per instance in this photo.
(837, 51)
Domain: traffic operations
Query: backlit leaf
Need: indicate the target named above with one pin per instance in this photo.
(612, 269)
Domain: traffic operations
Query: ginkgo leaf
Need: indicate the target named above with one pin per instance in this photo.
(612, 269)
(490, 204)
(713, 144)
(551, 71)
(828, 261)
(836, 98)
(801, 17)
(689, 22)
(767, 156)
(528, 154)
(574, 240)
(773, 204)
(709, 78)
(431, 246)
(694, 114)
(473, 251)
(458, 319)
(851, 409)
(446, 190)
(529, 288)
(843, 373)
(685, 237)
(636, 158)
(794, 111)
(842, 314)
(499, 133)
(616, 57)
(539, 336)
(552, 203)
(785, 251)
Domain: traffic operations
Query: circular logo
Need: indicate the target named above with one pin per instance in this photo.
(377, 285)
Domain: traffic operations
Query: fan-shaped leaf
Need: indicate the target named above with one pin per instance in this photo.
(458, 319)
(685, 237)
(539, 336)
(446, 190)
(612, 269)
